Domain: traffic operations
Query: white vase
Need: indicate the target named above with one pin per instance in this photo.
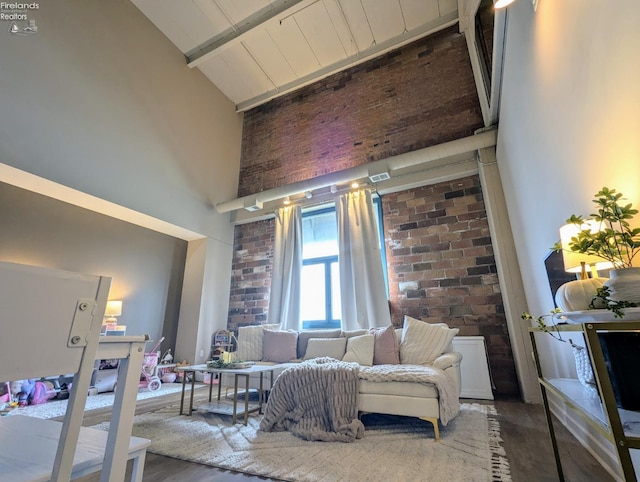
(624, 284)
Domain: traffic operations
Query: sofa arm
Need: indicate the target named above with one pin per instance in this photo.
(447, 360)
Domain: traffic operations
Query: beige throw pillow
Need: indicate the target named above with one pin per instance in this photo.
(250, 340)
(331, 347)
(423, 342)
(360, 350)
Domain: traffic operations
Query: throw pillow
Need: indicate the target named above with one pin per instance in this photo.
(279, 346)
(348, 334)
(423, 342)
(386, 349)
(250, 340)
(360, 350)
(304, 336)
(331, 347)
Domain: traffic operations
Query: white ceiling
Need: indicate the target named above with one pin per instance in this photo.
(256, 50)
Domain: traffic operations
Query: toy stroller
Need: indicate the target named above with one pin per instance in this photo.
(150, 379)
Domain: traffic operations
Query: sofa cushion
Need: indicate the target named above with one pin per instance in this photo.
(386, 349)
(279, 346)
(360, 350)
(399, 389)
(250, 340)
(304, 336)
(423, 342)
(349, 333)
(331, 347)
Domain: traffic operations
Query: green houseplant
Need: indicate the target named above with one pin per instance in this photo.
(615, 240)
(609, 235)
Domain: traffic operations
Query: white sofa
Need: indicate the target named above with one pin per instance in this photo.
(421, 349)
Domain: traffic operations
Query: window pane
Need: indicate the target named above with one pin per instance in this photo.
(312, 302)
(336, 307)
(320, 235)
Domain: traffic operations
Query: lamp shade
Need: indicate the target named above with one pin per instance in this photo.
(114, 308)
(503, 3)
(572, 259)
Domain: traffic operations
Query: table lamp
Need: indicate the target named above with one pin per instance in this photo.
(113, 309)
(577, 295)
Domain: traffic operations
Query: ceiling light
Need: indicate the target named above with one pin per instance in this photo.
(500, 4)
(355, 184)
(287, 200)
(308, 194)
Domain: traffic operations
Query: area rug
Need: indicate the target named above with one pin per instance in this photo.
(393, 448)
(57, 408)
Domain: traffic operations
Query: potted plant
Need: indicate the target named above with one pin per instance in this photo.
(612, 238)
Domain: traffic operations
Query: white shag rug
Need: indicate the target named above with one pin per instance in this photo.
(57, 408)
(393, 448)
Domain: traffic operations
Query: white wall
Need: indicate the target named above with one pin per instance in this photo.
(100, 101)
(569, 120)
(569, 124)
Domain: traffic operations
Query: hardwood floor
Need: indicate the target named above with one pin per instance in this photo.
(523, 428)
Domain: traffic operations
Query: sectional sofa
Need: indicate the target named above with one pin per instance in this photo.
(410, 371)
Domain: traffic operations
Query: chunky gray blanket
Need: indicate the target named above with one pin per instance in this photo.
(316, 400)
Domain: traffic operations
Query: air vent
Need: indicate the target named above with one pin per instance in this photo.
(383, 176)
(252, 206)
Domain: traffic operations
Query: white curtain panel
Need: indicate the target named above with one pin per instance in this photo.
(362, 291)
(284, 301)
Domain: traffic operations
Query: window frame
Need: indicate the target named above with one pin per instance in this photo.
(329, 322)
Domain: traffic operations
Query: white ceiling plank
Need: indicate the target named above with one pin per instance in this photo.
(341, 26)
(189, 18)
(385, 19)
(240, 60)
(358, 23)
(290, 41)
(259, 19)
(319, 31)
(238, 11)
(418, 12)
(219, 22)
(262, 48)
(225, 78)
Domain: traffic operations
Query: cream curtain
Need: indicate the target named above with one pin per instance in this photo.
(284, 301)
(362, 289)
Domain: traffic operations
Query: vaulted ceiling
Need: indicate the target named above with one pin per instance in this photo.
(256, 50)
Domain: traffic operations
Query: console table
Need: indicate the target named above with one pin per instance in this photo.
(621, 427)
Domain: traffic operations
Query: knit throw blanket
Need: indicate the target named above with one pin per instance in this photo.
(316, 400)
(449, 401)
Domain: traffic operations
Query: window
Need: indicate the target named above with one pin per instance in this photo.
(320, 290)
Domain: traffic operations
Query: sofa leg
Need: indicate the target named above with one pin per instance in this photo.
(434, 422)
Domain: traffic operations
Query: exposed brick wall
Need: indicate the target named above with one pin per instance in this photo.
(441, 267)
(251, 274)
(439, 253)
(417, 96)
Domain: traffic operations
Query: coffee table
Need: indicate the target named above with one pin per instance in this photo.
(219, 406)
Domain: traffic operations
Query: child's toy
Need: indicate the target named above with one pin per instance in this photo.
(151, 380)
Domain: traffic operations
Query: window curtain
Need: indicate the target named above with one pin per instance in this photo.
(362, 291)
(286, 275)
